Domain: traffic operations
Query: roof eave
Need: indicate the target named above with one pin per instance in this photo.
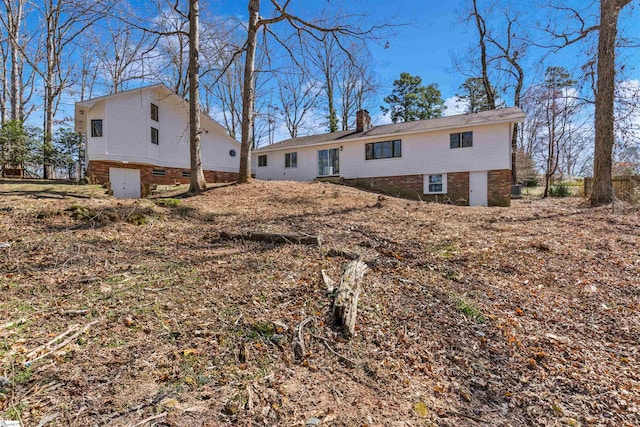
(516, 119)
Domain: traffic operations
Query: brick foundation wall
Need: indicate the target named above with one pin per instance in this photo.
(99, 171)
(499, 182)
(408, 186)
(412, 187)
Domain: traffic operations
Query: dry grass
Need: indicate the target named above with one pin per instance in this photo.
(526, 315)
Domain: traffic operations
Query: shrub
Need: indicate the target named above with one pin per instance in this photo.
(560, 190)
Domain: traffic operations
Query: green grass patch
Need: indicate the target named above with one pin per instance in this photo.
(168, 203)
(469, 309)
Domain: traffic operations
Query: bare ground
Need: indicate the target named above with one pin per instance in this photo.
(526, 315)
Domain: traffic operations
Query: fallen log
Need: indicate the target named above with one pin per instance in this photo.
(345, 301)
(299, 239)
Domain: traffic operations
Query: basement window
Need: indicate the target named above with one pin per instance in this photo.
(159, 172)
(291, 160)
(262, 160)
(155, 136)
(96, 128)
(186, 174)
(154, 112)
(435, 184)
(461, 140)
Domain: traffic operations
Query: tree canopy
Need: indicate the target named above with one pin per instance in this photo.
(410, 100)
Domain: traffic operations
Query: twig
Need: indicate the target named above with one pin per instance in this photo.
(47, 419)
(13, 323)
(298, 345)
(335, 353)
(151, 418)
(61, 345)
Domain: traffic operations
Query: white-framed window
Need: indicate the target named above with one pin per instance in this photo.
(154, 112)
(262, 161)
(461, 140)
(435, 184)
(291, 160)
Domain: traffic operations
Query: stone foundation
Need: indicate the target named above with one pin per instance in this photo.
(98, 171)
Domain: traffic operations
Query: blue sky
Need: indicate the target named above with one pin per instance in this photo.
(433, 34)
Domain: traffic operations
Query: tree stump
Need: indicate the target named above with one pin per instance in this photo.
(345, 301)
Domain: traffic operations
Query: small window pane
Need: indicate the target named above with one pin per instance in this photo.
(454, 140)
(369, 151)
(96, 128)
(154, 112)
(377, 151)
(387, 150)
(467, 139)
(435, 183)
(294, 160)
(155, 139)
(397, 148)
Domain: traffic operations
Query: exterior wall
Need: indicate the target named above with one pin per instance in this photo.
(409, 186)
(499, 183)
(99, 171)
(424, 153)
(127, 133)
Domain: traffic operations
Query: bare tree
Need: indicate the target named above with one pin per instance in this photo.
(607, 30)
(511, 52)
(63, 22)
(355, 85)
(118, 51)
(318, 29)
(481, 26)
(298, 94)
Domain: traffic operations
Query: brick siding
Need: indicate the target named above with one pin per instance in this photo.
(99, 171)
(499, 182)
(412, 187)
(408, 186)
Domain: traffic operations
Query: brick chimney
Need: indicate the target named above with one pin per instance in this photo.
(363, 121)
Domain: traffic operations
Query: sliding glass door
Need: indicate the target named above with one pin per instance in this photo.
(329, 162)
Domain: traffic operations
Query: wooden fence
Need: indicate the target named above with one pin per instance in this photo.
(625, 188)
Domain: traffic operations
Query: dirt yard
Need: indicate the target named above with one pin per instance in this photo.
(141, 313)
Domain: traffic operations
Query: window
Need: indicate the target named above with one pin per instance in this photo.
(291, 160)
(435, 184)
(262, 160)
(159, 172)
(96, 128)
(186, 174)
(154, 112)
(461, 139)
(383, 150)
(155, 137)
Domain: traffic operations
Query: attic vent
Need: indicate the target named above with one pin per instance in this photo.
(159, 172)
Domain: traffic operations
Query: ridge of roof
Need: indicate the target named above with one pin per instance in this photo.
(511, 114)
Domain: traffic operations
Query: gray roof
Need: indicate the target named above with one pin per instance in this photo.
(502, 115)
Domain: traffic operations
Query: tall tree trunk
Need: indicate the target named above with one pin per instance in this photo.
(249, 95)
(47, 147)
(602, 192)
(198, 182)
(15, 20)
(482, 32)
